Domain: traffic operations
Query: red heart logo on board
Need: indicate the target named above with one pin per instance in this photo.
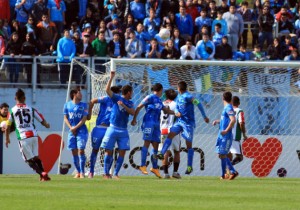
(265, 156)
(49, 150)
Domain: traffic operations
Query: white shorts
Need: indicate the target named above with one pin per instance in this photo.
(175, 143)
(29, 148)
(236, 147)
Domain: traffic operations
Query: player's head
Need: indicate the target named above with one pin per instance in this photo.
(127, 91)
(4, 109)
(20, 96)
(75, 94)
(116, 89)
(227, 96)
(235, 101)
(182, 86)
(158, 88)
(171, 94)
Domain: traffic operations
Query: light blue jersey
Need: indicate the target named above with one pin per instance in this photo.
(151, 120)
(75, 113)
(225, 120)
(106, 105)
(185, 106)
(119, 116)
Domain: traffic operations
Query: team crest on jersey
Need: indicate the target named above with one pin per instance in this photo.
(231, 112)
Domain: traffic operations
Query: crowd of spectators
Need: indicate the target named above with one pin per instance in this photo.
(168, 29)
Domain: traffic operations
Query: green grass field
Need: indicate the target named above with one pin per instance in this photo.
(148, 192)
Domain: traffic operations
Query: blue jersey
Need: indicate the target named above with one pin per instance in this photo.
(225, 120)
(119, 116)
(185, 106)
(75, 113)
(105, 110)
(153, 106)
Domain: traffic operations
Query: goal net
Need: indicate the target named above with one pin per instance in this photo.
(269, 95)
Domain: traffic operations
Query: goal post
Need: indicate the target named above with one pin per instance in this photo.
(269, 97)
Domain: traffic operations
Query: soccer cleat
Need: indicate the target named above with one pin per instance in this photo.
(156, 172)
(106, 176)
(81, 176)
(233, 175)
(167, 176)
(143, 169)
(176, 175)
(77, 175)
(160, 156)
(189, 170)
(44, 177)
(116, 177)
(91, 175)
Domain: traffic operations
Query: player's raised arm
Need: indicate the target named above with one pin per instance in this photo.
(167, 110)
(108, 85)
(137, 111)
(130, 111)
(201, 109)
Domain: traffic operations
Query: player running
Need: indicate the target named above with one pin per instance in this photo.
(23, 116)
(166, 122)
(185, 124)
(117, 130)
(224, 140)
(102, 123)
(75, 115)
(150, 126)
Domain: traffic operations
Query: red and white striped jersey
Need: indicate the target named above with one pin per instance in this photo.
(23, 117)
(167, 120)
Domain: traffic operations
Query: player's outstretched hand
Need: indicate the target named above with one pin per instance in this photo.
(133, 122)
(214, 122)
(206, 120)
(120, 103)
(7, 142)
(178, 114)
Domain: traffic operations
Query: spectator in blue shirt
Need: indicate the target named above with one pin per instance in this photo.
(203, 20)
(23, 9)
(184, 23)
(152, 23)
(143, 36)
(57, 9)
(138, 10)
(155, 5)
(152, 50)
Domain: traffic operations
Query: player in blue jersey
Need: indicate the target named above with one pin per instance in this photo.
(117, 130)
(75, 115)
(224, 140)
(102, 123)
(151, 126)
(185, 123)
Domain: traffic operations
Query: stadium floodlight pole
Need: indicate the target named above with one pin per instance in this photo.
(64, 125)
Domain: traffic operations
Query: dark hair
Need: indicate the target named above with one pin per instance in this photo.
(156, 87)
(227, 96)
(218, 25)
(171, 94)
(73, 92)
(257, 46)
(235, 101)
(116, 89)
(4, 105)
(126, 89)
(182, 85)
(20, 95)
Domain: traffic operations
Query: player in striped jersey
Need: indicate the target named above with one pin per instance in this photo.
(166, 122)
(238, 131)
(23, 116)
(102, 123)
(75, 115)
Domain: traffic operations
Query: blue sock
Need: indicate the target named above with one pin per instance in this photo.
(154, 160)
(107, 163)
(76, 163)
(166, 146)
(82, 159)
(190, 157)
(144, 152)
(223, 165)
(110, 163)
(230, 166)
(93, 161)
(119, 164)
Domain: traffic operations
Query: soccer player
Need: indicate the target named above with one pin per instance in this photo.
(166, 122)
(117, 130)
(102, 123)
(75, 115)
(150, 126)
(23, 116)
(185, 124)
(224, 140)
(238, 131)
